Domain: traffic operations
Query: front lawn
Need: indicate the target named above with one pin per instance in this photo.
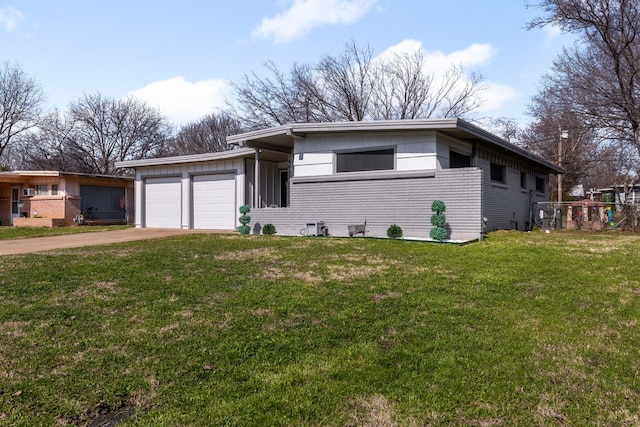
(21, 232)
(521, 329)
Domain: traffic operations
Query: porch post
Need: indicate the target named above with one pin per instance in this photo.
(256, 181)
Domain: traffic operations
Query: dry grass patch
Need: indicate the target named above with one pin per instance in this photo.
(374, 411)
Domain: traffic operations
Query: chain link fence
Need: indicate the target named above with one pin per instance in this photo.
(587, 215)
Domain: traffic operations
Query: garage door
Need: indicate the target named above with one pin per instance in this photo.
(163, 204)
(214, 199)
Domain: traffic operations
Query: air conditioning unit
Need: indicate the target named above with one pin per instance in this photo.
(28, 192)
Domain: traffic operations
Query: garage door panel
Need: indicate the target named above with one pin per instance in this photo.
(163, 202)
(214, 201)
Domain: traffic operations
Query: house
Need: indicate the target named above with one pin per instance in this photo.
(619, 194)
(48, 198)
(339, 174)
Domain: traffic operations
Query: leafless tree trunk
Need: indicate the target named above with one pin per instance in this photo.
(20, 102)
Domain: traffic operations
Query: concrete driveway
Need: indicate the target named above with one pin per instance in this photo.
(39, 244)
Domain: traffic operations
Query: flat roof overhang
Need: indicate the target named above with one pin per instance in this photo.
(285, 136)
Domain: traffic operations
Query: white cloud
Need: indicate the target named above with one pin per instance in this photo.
(496, 96)
(304, 15)
(182, 101)
(438, 61)
(10, 17)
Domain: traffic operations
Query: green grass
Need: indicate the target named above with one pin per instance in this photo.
(521, 329)
(21, 232)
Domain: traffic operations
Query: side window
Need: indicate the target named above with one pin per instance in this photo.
(523, 180)
(457, 160)
(498, 173)
(42, 190)
(540, 187)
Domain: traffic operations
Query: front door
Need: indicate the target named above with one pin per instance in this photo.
(15, 201)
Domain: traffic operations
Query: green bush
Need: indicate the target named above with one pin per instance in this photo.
(394, 232)
(438, 233)
(244, 219)
(269, 229)
(438, 220)
(438, 206)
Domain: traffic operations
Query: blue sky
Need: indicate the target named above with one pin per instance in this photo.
(181, 56)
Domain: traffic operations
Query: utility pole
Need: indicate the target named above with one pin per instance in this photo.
(563, 135)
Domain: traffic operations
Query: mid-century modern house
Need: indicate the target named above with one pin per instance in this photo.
(345, 173)
(48, 198)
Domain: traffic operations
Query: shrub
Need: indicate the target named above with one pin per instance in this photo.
(394, 232)
(438, 233)
(244, 219)
(269, 229)
(438, 220)
(438, 206)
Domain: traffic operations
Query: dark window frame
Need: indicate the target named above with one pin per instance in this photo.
(365, 160)
(498, 173)
(523, 180)
(459, 160)
(541, 185)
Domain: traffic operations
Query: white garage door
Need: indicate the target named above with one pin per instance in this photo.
(214, 201)
(163, 203)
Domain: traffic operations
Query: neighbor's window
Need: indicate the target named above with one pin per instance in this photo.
(42, 190)
(365, 161)
(523, 180)
(540, 185)
(54, 189)
(457, 160)
(497, 173)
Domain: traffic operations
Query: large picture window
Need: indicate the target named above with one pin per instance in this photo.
(358, 161)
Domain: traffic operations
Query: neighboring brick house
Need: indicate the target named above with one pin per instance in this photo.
(46, 198)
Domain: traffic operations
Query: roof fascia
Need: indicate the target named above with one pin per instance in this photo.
(191, 158)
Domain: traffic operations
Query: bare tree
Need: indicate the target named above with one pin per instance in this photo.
(580, 150)
(107, 130)
(346, 83)
(403, 87)
(355, 86)
(94, 134)
(21, 99)
(207, 135)
(600, 76)
(47, 146)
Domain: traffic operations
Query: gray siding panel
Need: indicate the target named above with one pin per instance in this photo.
(507, 206)
(405, 201)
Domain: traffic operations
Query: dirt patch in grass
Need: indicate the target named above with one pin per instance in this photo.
(375, 411)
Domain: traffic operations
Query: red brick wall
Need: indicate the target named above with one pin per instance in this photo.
(72, 207)
(46, 206)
